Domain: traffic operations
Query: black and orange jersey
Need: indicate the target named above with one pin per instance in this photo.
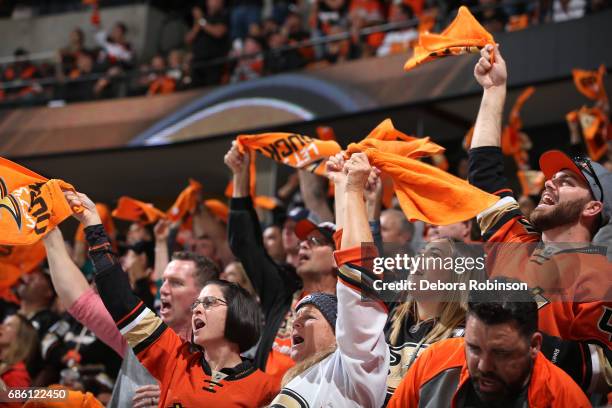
(186, 380)
(572, 282)
(408, 345)
(440, 378)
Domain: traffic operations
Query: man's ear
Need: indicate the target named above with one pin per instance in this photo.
(592, 208)
(535, 344)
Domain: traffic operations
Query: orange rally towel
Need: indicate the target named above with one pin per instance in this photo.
(298, 151)
(217, 208)
(467, 139)
(515, 113)
(107, 222)
(265, 202)
(532, 181)
(594, 124)
(590, 83)
(464, 35)
(386, 138)
(75, 399)
(427, 193)
(30, 205)
(186, 202)
(512, 143)
(16, 261)
(129, 209)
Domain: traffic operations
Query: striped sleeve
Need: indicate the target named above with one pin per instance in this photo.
(360, 327)
(138, 325)
(354, 270)
(503, 221)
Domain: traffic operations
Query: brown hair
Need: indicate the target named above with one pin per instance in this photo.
(205, 268)
(24, 348)
(452, 311)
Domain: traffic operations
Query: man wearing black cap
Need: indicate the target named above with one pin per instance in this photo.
(575, 204)
(279, 285)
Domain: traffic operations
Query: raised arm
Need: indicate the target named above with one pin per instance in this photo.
(162, 257)
(334, 168)
(356, 226)
(360, 324)
(148, 336)
(314, 194)
(503, 221)
(68, 281)
(245, 238)
(492, 78)
(204, 223)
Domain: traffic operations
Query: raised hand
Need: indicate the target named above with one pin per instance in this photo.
(236, 161)
(373, 186)
(162, 230)
(491, 75)
(357, 170)
(89, 215)
(334, 168)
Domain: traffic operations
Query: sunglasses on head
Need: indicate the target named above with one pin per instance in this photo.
(586, 166)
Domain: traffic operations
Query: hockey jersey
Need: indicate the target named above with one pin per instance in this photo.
(355, 374)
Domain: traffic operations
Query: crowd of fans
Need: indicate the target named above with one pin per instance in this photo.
(222, 310)
(231, 42)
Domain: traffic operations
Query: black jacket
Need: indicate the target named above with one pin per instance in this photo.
(275, 284)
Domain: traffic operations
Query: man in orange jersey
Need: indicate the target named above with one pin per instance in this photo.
(575, 204)
(497, 364)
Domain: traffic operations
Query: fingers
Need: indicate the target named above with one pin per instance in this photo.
(372, 179)
(146, 396)
(360, 160)
(72, 198)
(497, 54)
(483, 66)
(233, 158)
(149, 388)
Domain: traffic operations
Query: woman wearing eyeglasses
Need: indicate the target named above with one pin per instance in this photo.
(225, 323)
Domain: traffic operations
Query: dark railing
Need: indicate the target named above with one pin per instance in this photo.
(54, 88)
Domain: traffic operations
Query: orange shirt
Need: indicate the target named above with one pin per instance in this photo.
(279, 359)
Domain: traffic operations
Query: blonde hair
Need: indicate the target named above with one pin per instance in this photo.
(23, 349)
(305, 364)
(244, 281)
(452, 311)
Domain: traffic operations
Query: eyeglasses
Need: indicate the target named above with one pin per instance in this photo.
(585, 164)
(317, 242)
(208, 302)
